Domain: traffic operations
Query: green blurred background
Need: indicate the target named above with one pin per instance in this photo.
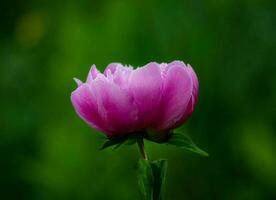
(48, 152)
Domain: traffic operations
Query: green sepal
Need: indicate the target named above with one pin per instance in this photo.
(151, 178)
(183, 141)
(118, 141)
(113, 142)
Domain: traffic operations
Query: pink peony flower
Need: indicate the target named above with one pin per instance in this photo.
(154, 98)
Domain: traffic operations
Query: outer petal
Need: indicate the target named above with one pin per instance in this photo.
(85, 104)
(195, 83)
(115, 106)
(194, 96)
(92, 74)
(79, 82)
(176, 96)
(145, 85)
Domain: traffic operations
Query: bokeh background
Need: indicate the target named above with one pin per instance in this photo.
(48, 152)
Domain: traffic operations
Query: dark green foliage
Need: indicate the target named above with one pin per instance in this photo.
(113, 142)
(159, 168)
(151, 178)
(177, 139)
(145, 179)
(118, 141)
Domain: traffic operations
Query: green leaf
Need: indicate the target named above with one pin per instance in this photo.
(151, 179)
(113, 142)
(145, 179)
(131, 141)
(118, 141)
(185, 142)
(159, 169)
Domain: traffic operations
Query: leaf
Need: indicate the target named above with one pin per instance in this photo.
(131, 141)
(118, 141)
(113, 142)
(159, 169)
(151, 178)
(145, 179)
(185, 142)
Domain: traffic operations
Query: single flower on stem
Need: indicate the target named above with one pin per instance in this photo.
(129, 105)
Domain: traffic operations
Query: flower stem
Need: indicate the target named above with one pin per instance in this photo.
(141, 146)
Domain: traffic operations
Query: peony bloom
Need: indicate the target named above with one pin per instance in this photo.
(154, 98)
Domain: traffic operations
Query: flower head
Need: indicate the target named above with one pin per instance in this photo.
(123, 100)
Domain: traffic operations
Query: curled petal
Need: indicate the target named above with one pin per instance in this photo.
(195, 83)
(177, 92)
(194, 97)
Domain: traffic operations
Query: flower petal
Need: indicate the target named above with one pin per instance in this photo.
(79, 82)
(112, 67)
(85, 104)
(195, 82)
(115, 106)
(194, 97)
(176, 95)
(145, 85)
(92, 74)
(118, 74)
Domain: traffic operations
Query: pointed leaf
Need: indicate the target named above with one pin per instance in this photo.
(112, 142)
(118, 141)
(151, 178)
(131, 141)
(145, 179)
(159, 168)
(118, 145)
(185, 142)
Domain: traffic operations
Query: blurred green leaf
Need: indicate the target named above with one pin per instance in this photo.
(145, 179)
(113, 142)
(183, 141)
(131, 141)
(159, 168)
(151, 178)
(118, 141)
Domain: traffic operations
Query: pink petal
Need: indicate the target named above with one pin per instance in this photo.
(93, 73)
(194, 97)
(195, 83)
(118, 74)
(112, 67)
(145, 84)
(176, 96)
(79, 82)
(115, 106)
(85, 104)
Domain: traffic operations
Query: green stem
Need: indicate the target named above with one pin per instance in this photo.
(141, 146)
